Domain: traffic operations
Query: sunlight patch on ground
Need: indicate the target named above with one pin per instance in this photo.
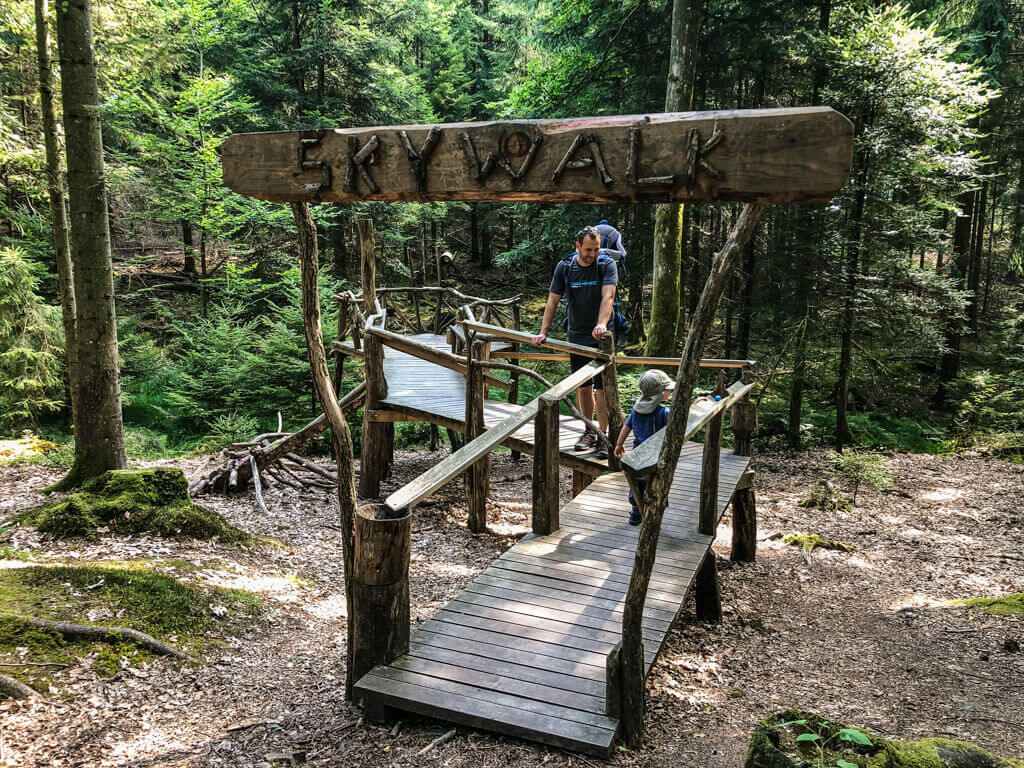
(942, 494)
(507, 529)
(24, 448)
(429, 565)
(148, 741)
(330, 608)
(285, 588)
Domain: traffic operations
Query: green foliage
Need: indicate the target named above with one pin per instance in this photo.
(808, 542)
(862, 467)
(30, 346)
(999, 606)
(127, 594)
(154, 501)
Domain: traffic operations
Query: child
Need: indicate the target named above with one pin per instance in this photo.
(646, 418)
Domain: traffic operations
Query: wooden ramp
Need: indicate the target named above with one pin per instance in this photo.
(522, 649)
(421, 389)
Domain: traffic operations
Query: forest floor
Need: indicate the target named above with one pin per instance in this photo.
(861, 637)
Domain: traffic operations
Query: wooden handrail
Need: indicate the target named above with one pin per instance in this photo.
(563, 346)
(457, 463)
(643, 460)
(626, 359)
(350, 296)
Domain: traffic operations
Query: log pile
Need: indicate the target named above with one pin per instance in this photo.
(273, 458)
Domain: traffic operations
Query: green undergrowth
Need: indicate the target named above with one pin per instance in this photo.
(999, 606)
(133, 501)
(796, 739)
(808, 542)
(131, 595)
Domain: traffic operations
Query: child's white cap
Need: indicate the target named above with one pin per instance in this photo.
(652, 386)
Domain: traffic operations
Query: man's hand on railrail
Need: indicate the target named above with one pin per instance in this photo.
(599, 331)
(540, 338)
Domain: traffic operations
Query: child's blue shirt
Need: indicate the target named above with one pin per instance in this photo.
(646, 424)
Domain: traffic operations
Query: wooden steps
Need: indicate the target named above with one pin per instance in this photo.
(522, 649)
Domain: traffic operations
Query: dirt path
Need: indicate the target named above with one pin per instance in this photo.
(857, 637)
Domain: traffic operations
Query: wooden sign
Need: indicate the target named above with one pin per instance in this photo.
(766, 155)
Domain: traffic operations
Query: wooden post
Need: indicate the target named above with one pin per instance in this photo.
(545, 467)
(373, 461)
(513, 377)
(379, 611)
(709, 467)
(440, 295)
(580, 481)
(705, 590)
(744, 504)
(613, 683)
(339, 359)
(378, 437)
(477, 477)
(610, 380)
(367, 264)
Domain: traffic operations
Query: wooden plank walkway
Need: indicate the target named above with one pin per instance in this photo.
(421, 389)
(522, 649)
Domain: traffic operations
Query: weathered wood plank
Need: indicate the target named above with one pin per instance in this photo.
(796, 155)
(424, 700)
(526, 338)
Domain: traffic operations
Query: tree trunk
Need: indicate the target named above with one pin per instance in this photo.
(99, 437)
(974, 279)
(308, 259)
(747, 305)
(188, 246)
(686, 264)
(949, 366)
(632, 658)
(474, 224)
(667, 246)
(58, 212)
(339, 248)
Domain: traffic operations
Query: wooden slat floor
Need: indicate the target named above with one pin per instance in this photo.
(522, 649)
(419, 387)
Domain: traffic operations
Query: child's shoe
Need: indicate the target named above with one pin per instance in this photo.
(634, 516)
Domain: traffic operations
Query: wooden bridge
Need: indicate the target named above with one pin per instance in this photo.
(526, 648)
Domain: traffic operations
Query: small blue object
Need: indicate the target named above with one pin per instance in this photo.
(717, 398)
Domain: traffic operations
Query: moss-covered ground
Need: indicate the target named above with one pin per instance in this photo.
(131, 595)
(795, 739)
(133, 501)
(811, 541)
(1004, 605)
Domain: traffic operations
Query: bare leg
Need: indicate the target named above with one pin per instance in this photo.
(602, 411)
(585, 400)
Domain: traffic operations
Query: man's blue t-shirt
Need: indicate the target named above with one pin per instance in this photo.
(646, 424)
(582, 287)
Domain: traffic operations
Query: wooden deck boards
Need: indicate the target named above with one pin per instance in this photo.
(522, 649)
(421, 388)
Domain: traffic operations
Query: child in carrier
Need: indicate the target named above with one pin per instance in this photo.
(646, 418)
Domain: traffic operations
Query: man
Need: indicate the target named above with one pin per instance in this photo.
(588, 282)
(611, 242)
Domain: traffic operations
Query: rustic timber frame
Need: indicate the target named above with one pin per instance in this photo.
(756, 157)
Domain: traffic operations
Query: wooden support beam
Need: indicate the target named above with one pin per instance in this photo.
(610, 380)
(389, 417)
(373, 461)
(580, 481)
(707, 595)
(379, 610)
(367, 264)
(513, 378)
(796, 155)
(545, 467)
(478, 476)
(708, 516)
(625, 360)
(743, 419)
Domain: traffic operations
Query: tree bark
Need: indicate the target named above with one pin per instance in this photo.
(949, 366)
(99, 435)
(665, 306)
(188, 246)
(309, 263)
(661, 482)
(58, 212)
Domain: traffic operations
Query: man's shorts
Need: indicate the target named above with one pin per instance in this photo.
(578, 361)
